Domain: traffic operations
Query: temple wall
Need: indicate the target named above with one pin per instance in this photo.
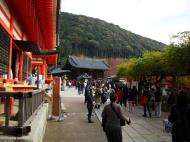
(5, 16)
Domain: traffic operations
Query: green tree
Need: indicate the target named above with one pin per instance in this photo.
(172, 61)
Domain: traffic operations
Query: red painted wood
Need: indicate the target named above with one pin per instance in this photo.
(5, 27)
(37, 19)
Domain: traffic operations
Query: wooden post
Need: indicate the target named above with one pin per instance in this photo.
(38, 78)
(21, 111)
(7, 112)
(56, 105)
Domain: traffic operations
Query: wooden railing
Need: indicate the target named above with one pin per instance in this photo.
(28, 104)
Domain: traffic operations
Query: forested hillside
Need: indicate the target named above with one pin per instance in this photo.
(81, 35)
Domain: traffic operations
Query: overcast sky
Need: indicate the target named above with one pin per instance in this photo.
(156, 19)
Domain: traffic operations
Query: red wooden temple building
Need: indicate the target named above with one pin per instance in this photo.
(28, 39)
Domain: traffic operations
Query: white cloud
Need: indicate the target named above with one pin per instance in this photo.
(155, 19)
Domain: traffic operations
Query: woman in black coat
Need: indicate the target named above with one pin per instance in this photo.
(180, 117)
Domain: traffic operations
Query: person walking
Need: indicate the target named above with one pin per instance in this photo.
(97, 97)
(111, 115)
(158, 101)
(172, 98)
(85, 83)
(79, 87)
(132, 99)
(152, 97)
(82, 87)
(110, 90)
(104, 95)
(125, 94)
(146, 93)
(87, 89)
(90, 104)
(180, 117)
(119, 93)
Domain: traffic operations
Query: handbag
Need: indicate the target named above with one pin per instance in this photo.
(167, 126)
(122, 121)
(143, 100)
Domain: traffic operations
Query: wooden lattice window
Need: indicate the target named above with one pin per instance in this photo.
(4, 51)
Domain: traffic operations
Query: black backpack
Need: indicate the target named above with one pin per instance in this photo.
(104, 97)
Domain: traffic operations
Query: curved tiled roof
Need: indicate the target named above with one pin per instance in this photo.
(88, 63)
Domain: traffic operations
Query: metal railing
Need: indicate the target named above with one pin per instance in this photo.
(28, 104)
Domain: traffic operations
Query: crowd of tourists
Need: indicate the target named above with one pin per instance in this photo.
(99, 92)
(150, 97)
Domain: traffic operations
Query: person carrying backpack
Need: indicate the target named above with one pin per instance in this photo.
(180, 117)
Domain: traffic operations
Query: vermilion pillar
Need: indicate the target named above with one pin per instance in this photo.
(56, 104)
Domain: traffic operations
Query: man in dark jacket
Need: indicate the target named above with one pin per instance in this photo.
(90, 103)
(86, 91)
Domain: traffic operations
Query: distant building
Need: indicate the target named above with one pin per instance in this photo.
(92, 67)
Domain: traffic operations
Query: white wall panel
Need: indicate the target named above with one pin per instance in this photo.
(5, 8)
(16, 25)
(16, 36)
(4, 19)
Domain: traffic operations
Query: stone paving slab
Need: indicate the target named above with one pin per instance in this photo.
(142, 129)
(131, 132)
(139, 139)
(127, 137)
(75, 127)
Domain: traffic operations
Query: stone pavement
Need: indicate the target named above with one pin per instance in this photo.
(142, 129)
(75, 126)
